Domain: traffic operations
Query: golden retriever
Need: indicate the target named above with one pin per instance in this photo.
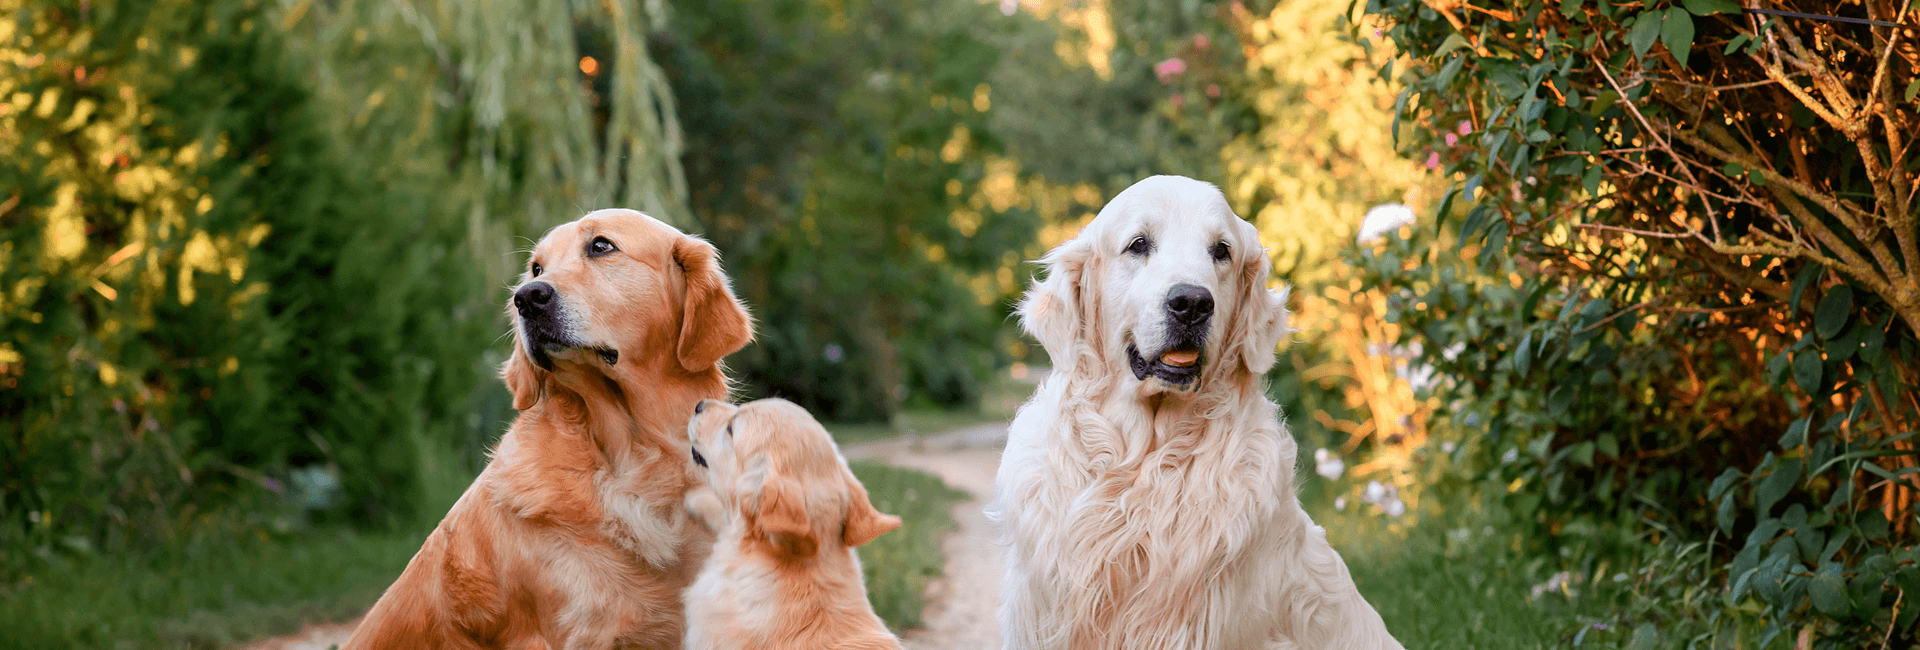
(576, 534)
(1147, 488)
(789, 513)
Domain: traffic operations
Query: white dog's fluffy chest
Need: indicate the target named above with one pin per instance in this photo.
(1123, 537)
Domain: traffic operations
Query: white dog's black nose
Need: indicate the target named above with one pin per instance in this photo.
(532, 300)
(1189, 304)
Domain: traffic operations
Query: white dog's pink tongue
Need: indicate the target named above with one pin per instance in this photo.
(1180, 358)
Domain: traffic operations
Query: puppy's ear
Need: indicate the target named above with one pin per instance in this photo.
(1051, 310)
(783, 517)
(523, 379)
(712, 323)
(1261, 318)
(864, 522)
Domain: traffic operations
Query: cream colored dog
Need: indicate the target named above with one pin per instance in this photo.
(788, 514)
(1148, 486)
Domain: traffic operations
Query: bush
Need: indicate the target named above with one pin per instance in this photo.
(1671, 313)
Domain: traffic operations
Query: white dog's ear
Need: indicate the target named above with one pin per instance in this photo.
(1261, 318)
(1051, 310)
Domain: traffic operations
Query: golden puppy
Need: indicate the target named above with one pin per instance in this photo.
(783, 573)
(575, 535)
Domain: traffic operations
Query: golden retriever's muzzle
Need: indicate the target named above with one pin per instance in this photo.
(1189, 312)
(543, 326)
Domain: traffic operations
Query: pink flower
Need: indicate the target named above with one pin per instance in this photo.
(1213, 90)
(1200, 41)
(1007, 7)
(1466, 127)
(1452, 139)
(1376, 33)
(1433, 160)
(1169, 69)
(1177, 100)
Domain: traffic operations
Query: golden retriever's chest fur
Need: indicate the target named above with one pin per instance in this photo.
(1160, 522)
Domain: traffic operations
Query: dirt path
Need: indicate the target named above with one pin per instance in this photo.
(960, 606)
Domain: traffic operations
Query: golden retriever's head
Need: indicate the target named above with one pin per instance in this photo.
(1165, 283)
(618, 293)
(777, 472)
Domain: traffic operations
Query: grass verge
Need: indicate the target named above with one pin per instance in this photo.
(212, 596)
(900, 564)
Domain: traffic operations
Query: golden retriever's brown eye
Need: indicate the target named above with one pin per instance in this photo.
(1220, 251)
(1140, 246)
(537, 269)
(600, 246)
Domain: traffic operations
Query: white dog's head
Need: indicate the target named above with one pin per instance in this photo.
(1166, 284)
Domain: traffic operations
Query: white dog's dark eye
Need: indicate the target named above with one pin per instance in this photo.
(697, 458)
(1139, 246)
(537, 269)
(600, 246)
(1220, 251)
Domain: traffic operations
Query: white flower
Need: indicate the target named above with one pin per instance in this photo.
(1395, 508)
(1560, 583)
(1447, 447)
(1339, 503)
(1510, 456)
(1375, 493)
(1383, 219)
(1328, 464)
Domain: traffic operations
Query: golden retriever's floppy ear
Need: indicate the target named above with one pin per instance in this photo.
(525, 381)
(783, 517)
(712, 323)
(1051, 309)
(864, 522)
(1260, 318)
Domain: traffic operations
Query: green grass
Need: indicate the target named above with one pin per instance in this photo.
(213, 596)
(899, 564)
(1450, 580)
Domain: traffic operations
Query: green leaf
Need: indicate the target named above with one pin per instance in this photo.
(1583, 454)
(1767, 583)
(1569, 7)
(1913, 89)
(1676, 32)
(1796, 433)
(1725, 516)
(1733, 170)
(1473, 183)
(1645, 637)
(1763, 533)
(1722, 482)
(1775, 486)
(1710, 7)
(1800, 283)
(1806, 371)
(1610, 445)
(1446, 207)
(1739, 589)
(1453, 42)
(1872, 524)
(1833, 311)
(1646, 30)
(1523, 354)
(1829, 590)
(1735, 44)
(1538, 135)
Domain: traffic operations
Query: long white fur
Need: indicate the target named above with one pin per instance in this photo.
(1142, 514)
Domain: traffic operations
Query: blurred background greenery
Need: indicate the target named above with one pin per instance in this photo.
(253, 260)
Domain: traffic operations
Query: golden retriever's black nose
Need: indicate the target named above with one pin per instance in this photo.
(1189, 304)
(533, 298)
